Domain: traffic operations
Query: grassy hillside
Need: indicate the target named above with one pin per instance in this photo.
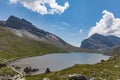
(106, 70)
(7, 71)
(12, 46)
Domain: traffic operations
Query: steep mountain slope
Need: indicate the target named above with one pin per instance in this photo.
(100, 42)
(24, 28)
(114, 51)
(12, 46)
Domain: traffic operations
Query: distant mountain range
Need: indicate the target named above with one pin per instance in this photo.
(26, 30)
(100, 42)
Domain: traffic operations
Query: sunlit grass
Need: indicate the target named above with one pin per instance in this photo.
(12, 46)
(7, 71)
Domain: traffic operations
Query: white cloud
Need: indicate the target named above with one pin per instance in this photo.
(57, 27)
(81, 31)
(43, 6)
(108, 25)
(13, 1)
(65, 23)
(77, 44)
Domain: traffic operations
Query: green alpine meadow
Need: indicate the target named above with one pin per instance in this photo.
(13, 47)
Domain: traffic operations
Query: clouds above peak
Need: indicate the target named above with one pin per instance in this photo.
(42, 6)
(108, 25)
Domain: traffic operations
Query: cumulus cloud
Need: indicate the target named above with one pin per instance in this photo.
(42, 6)
(108, 25)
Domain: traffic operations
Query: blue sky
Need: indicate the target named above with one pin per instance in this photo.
(73, 24)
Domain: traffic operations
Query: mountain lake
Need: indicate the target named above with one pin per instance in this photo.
(59, 61)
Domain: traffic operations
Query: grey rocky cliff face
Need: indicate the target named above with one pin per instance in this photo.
(100, 42)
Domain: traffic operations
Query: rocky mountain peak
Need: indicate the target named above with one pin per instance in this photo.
(100, 42)
(17, 23)
(25, 28)
(13, 18)
(96, 35)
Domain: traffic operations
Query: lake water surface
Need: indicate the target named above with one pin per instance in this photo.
(60, 61)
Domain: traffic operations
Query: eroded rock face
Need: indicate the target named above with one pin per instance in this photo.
(100, 42)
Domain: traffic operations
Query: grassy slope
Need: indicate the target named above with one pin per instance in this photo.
(107, 70)
(6, 71)
(12, 47)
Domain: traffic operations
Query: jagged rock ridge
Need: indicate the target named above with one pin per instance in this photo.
(100, 42)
